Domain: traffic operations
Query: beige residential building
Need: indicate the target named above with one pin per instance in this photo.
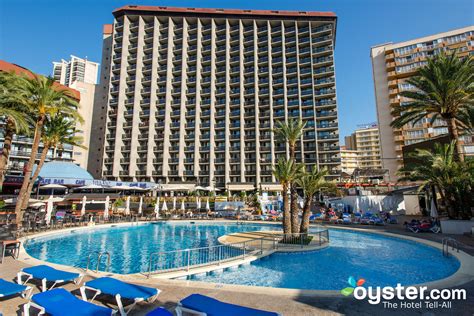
(349, 160)
(191, 95)
(392, 65)
(81, 75)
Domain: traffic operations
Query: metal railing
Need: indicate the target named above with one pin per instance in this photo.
(448, 241)
(99, 257)
(186, 259)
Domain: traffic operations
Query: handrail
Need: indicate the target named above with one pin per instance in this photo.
(99, 256)
(185, 259)
(446, 242)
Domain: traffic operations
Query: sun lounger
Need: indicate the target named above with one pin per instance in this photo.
(202, 305)
(119, 290)
(160, 311)
(10, 288)
(48, 274)
(59, 302)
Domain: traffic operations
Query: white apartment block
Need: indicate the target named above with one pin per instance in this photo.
(392, 65)
(81, 75)
(67, 72)
(191, 95)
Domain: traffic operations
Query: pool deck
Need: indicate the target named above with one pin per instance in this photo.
(292, 302)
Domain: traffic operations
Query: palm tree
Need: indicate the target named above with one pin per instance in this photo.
(444, 88)
(290, 132)
(16, 118)
(286, 171)
(43, 98)
(311, 182)
(439, 169)
(58, 131)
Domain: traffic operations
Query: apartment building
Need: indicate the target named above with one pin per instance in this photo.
(191, 95)
(21, 145)
(392, 65)
(81, 75)
(75, 70)
(349, 160)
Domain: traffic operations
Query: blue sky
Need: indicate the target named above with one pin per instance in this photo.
(33, 33)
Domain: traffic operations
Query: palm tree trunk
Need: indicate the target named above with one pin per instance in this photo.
(7, 146)
(286, 211)
(306, 213)
(44, 153)
(454, 135)
(292, 153)
(295, 225)
(29, 167)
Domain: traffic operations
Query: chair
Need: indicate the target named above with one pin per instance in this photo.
(202, 305)
(48, 274)
(59, 302)
(119, 290)
(10, 288)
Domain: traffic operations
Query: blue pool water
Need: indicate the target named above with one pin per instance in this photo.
(380, 260)
(131, 246)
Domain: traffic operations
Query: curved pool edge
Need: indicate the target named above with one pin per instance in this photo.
(463, 275)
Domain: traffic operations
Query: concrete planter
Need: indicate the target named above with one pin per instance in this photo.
(457, 227)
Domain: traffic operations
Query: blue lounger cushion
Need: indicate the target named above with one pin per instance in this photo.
(213, 307)
(50, 274)
(160, 311)
(10, 288)
(113, 287)
(59, 302)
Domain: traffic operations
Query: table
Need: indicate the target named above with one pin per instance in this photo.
(6, 243)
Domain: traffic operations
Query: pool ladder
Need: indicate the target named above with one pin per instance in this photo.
(448, 241)
(99, 255)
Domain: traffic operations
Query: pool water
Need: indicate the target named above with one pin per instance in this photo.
(380, 260)
(130, 246)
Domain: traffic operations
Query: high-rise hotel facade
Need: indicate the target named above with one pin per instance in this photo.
(393, 64)
(192, 95)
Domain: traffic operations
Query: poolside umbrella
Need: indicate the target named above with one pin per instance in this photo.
(174, 203)
(198, 203)
(380, 207)
(357, 205)
(140, 206)
(433, 209)
(164, 207)
(49, 209)
(83, 209)
(106, 208)
(207, 205)
(157, 207)
(127, 206)
(182, 205)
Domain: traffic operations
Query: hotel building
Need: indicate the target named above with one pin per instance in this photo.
(191, 95)
(392, 65)
(80, 75)
(349, 160)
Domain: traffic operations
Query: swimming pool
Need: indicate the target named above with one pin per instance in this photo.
(381, 260)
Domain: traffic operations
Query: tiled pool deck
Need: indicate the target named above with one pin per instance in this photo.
(295, 303)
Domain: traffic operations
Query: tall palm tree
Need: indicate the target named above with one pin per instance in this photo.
(444, 88)
(42, 98)
(290, 132)
(58, 131)
(16, 118)
(286, 171)
(439, 169)
(311, 182)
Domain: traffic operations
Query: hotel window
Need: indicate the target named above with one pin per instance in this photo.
(469, 149)
(440, 131)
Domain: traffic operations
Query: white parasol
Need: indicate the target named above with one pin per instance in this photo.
(433, 209)
(83, 209)
(157, 207)
(49, 209)
(164, 207)
(140, 206)
(106, 207)
(127, 206)
(207, 205)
